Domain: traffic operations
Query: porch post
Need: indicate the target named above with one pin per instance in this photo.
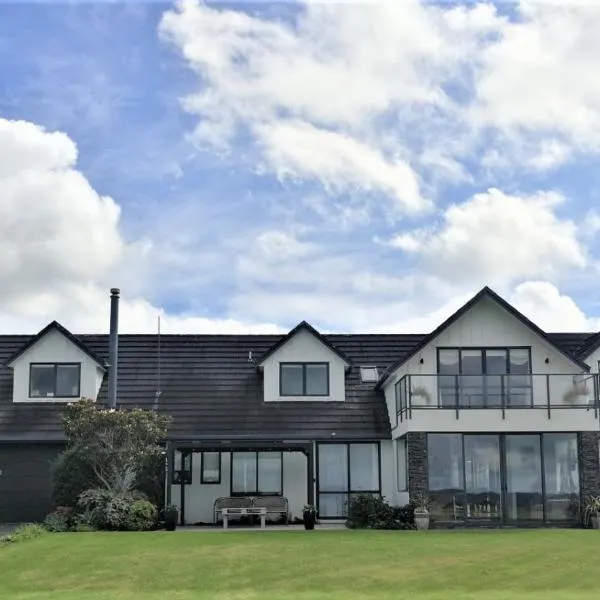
(311, 473)
(182, 488)
(168, 472)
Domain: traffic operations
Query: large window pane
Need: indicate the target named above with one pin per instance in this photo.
(496, 368)
(561, 472)
(364, 467)
(333, 505)
(211, 467)
(333, 468)
(471, 381)
(448, 370)
(41, 384)
(482, 477)
(269, 473)
(243, 477)
(292, 380)
(67, 381)
(519, 381)
(524, 478)
(317, 380)
(446, 476)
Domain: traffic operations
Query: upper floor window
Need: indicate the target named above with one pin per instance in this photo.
(304, 379)
(484, 377)
(54, 380)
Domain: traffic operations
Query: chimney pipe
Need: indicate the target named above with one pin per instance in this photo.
(113, 347)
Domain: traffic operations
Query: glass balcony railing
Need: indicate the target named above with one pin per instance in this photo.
(504, 392)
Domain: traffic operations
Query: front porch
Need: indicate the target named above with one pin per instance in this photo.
(205, 477)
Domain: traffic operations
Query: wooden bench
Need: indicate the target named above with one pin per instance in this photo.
(251, 510)
(221, 503)
(243, 505)
(275, 505)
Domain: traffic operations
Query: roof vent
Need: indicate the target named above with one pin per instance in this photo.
(369, 374)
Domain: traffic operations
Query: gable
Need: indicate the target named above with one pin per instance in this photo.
(487, 321)
(303, 328)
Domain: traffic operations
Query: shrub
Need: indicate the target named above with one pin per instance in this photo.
(141, 516)
(107, 510)
(23, 533)
(72, 474)
(58, 521)
(373, 512)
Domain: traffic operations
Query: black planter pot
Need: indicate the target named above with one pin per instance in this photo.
(170, 525)
(309, 520)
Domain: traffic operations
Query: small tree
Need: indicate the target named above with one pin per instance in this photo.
(109, 449)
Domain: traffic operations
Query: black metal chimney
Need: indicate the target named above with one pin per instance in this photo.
(113, 347)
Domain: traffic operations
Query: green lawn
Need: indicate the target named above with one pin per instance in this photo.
(298, 565)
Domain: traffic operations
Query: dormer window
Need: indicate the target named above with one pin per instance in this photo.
(304, 379)
(54, 380)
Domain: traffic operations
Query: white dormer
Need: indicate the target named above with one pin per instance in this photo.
(54, 366)
(304, 366)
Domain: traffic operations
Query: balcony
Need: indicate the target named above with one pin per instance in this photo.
(505, 394)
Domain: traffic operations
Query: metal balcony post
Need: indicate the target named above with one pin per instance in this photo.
(456, 395)
(548, 396)
(409, 395)
(502, 398)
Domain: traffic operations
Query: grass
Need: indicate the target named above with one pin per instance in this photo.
(298, 565)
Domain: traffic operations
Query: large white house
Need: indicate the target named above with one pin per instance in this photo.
(495, 420)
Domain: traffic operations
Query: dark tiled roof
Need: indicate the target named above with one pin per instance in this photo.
(591, 344)
(212, 391)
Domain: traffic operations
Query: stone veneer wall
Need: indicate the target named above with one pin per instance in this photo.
(589, 463)
(416, 448)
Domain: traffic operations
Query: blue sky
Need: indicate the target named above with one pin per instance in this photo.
(366, 167)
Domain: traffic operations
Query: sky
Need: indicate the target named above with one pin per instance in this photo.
(240, 167)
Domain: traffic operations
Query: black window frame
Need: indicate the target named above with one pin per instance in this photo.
(483, 349)
(502, 435)
(303, 365)
(256, 491)
(349, 491)
(203, 480)
(183, 475)
(55, 365)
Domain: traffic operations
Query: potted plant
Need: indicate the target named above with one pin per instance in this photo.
(171, 517)
(420, 391)
(421, 512)
(592, 511)
(309, 515)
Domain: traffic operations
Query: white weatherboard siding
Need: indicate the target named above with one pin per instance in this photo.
(487, 325)
(593, 359)
(200, 497)
(54, 347)
(304, 347)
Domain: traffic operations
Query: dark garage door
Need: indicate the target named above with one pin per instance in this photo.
(25, 485)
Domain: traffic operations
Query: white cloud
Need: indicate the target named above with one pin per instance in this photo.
(539, 78)
(543, 303)
(298, 150)
(329, 96)
(61, 247)
(499, 238)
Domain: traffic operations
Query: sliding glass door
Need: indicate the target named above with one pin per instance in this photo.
(524, 490)
(515, 478)
(483, 477)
